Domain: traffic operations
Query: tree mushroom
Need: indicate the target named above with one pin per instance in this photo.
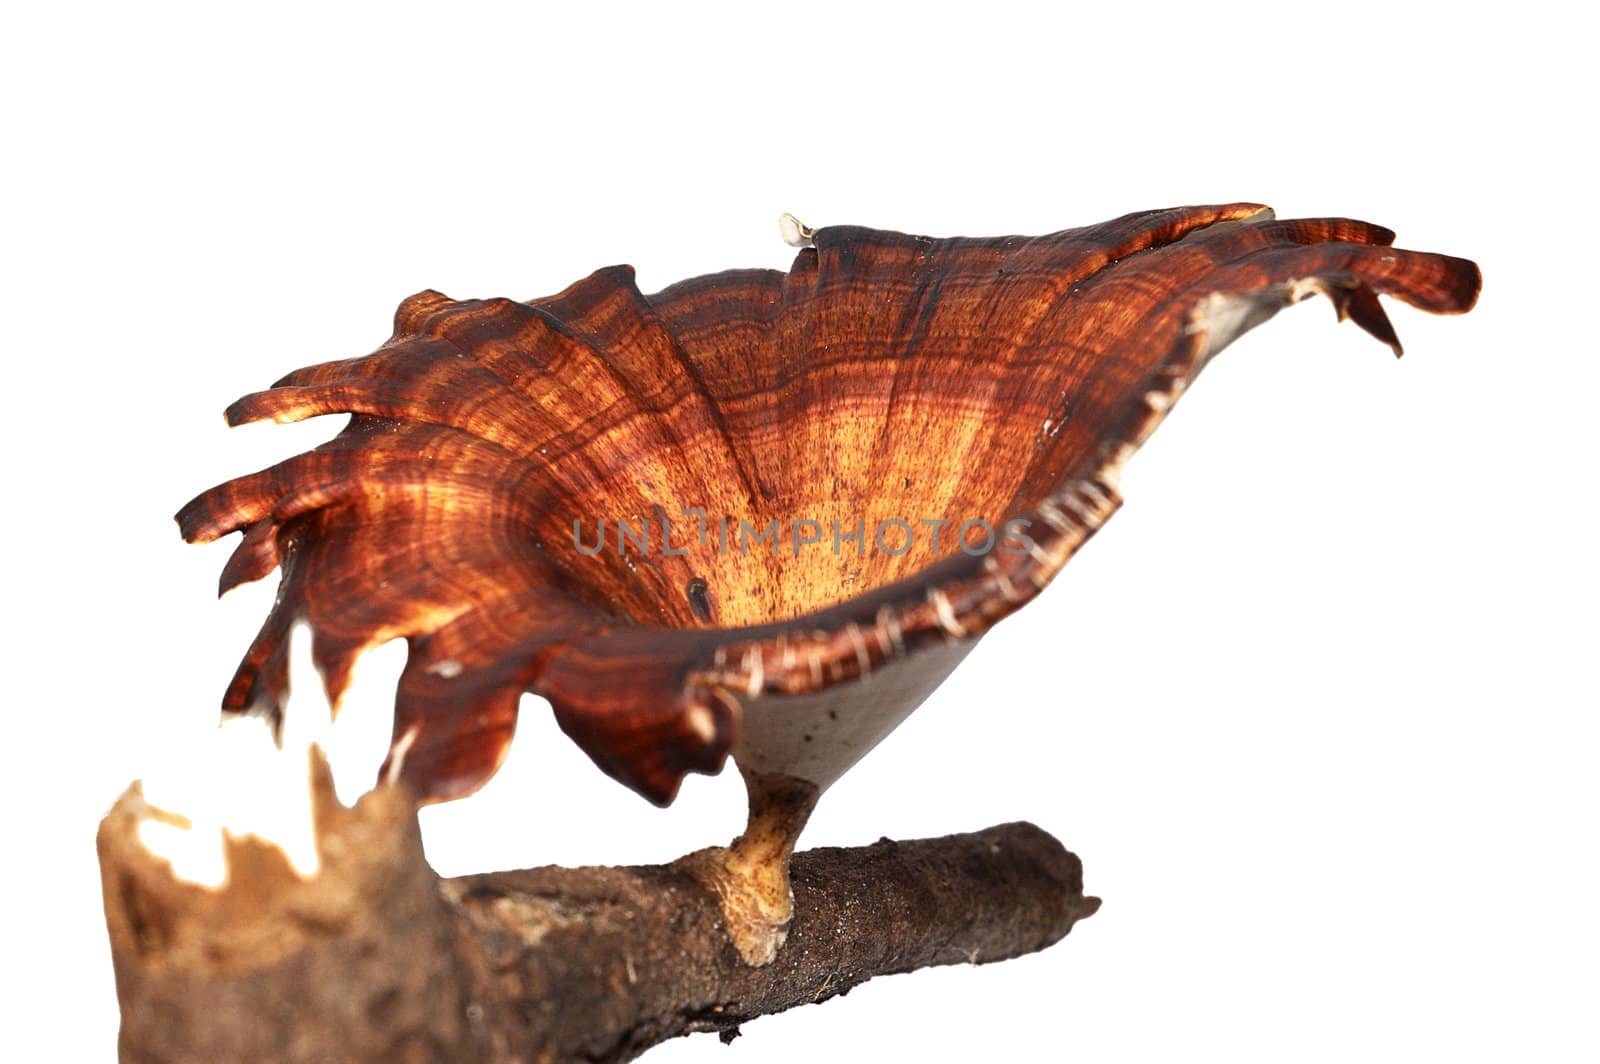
(757, 513)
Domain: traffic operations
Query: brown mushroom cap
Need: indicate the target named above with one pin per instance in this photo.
(884, 377)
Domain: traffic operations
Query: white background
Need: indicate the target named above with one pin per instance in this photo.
(1316, 707)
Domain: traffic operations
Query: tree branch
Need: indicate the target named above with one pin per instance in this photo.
(376, 958)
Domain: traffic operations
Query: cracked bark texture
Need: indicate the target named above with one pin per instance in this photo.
(376, 958)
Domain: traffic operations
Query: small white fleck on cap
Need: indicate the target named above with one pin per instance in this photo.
(796, 233)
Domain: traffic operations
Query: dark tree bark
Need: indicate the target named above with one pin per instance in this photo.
(376, 958)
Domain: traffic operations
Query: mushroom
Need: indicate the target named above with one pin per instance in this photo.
(757, 513)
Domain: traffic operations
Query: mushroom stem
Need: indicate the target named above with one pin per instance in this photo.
(750, 876)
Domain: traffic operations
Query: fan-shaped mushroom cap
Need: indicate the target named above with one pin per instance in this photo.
(885, 378)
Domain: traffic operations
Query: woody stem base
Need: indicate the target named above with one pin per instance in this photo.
(376, 958)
